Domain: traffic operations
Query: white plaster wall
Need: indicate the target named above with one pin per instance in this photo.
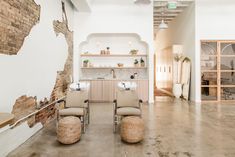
(214, 21)
(33, 70)
(181, 31)
(115, 17)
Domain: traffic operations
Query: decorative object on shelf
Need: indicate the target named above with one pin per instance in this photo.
(108, 51)
(134, 52)
(136, 63)
(134, 76)
(102, 52)
(142, 63)
(85, 63)
(120, 65)
(85, 53)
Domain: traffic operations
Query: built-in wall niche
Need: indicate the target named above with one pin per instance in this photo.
(218, 70)
(118, 43)
(113, 51)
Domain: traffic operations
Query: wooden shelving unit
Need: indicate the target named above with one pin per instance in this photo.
(113, 55)
(113, 67)
(217, 70)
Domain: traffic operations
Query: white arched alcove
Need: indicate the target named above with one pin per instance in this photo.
(119, 44)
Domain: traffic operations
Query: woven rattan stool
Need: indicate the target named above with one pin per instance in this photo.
(132, 129)
(69, 130)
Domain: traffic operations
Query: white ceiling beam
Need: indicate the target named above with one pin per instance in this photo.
(169, 14)
(177, 1)
(168, 11)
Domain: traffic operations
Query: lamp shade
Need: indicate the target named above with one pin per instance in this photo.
(163, 25)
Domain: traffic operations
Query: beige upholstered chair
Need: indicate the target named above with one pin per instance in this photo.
(77, 104)
(126, 104)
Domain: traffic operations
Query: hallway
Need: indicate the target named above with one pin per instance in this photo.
(173, 129)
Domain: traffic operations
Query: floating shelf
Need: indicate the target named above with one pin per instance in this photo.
(113, 55)
(113, 67)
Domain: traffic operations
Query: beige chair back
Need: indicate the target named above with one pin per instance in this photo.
(76, 98)
(127, 98)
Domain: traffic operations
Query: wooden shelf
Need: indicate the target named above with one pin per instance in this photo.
(227, 55)
(113, 67)
(113, 55)
(209, 71)
(5, 119)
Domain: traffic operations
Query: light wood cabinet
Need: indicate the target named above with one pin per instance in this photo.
(105, 90)
(108, 88)
(96, 90)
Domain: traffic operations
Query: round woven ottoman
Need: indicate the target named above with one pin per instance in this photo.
(132, 129)
(69, 130)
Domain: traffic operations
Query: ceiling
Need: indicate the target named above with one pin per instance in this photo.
(169, 14)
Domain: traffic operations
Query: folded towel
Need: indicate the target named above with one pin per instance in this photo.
(79, 86)
(127, 85)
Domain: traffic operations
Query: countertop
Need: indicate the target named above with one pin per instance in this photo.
(111, 79)
(5, 119)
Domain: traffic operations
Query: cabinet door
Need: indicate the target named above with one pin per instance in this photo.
(108, 91)
(142, 88)
(89, 90)
(96, 90)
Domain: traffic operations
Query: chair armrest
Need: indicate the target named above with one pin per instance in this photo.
(115, 105)
(86, 101)
(140, 104)
(60, 101)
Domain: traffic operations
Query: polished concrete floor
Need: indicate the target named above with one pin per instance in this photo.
(173, 129)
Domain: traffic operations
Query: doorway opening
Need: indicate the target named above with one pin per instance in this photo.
(174, 25)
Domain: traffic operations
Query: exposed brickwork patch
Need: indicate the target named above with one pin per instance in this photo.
(63, 77)
(17, 17)
(24, 106)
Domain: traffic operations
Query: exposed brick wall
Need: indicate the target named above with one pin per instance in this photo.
(17, 17)
(24, 105)
(46, 115)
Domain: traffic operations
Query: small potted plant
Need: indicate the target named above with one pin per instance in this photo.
(108, 51)
(136, 63)
(142, 63)
(85, 63)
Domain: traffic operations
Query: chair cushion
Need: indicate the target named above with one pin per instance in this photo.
(71, 112)
(128, 111)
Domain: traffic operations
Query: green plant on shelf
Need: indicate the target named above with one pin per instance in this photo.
(142, 63)
(85, 63)
(136, 63)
